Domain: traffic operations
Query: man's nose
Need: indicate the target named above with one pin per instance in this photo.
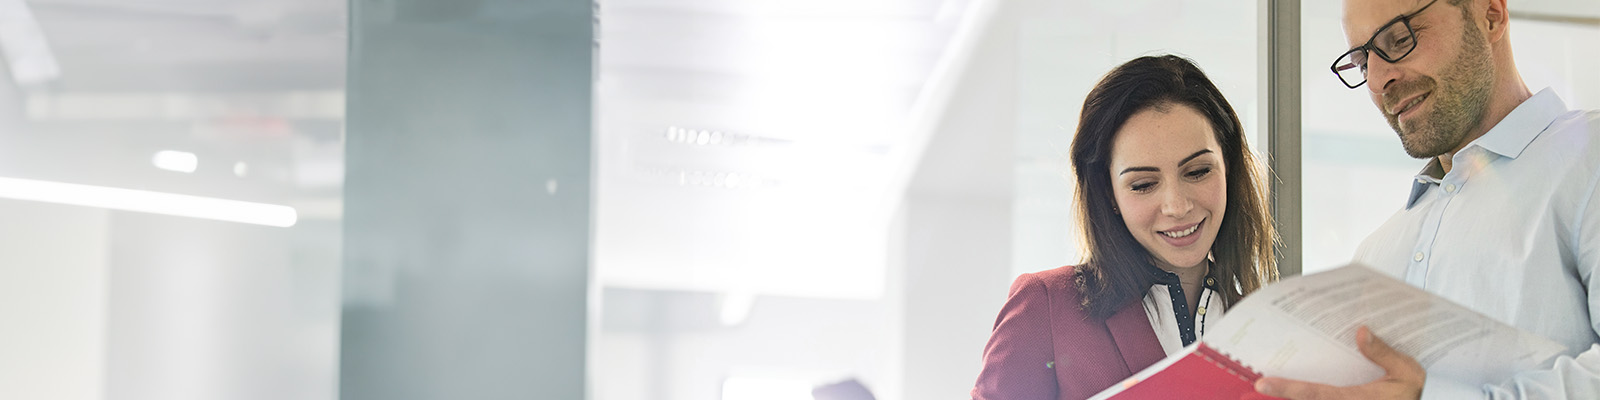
(1381, 74)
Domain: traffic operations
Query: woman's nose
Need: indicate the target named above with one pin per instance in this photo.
(1176, 203)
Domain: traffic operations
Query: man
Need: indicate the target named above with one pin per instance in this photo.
(1504, 218)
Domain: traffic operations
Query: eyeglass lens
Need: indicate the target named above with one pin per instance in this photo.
(1392, 43)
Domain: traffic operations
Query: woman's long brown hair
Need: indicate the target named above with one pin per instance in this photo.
(1116, 269)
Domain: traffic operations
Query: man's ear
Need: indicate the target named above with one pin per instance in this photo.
(1497, 16)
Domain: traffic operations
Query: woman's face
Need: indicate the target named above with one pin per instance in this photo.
(1170, 183)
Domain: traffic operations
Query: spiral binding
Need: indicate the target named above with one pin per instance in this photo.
(1228, 362)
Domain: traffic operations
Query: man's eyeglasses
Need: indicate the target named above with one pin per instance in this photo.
(1393, 42)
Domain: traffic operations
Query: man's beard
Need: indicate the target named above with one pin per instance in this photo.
(1459, 103)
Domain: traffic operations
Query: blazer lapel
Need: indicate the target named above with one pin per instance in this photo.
(1135, 338)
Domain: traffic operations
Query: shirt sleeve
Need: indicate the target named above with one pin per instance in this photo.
(1018, 362)
(1571, 377)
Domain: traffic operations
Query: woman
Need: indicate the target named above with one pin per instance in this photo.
(1175, 227)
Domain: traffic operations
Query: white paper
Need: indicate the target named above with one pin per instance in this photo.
(1304, 328)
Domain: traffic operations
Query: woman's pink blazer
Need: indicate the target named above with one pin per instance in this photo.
(1045, 347)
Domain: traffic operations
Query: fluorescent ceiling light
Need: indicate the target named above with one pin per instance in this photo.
(148, 202)
(179, 161)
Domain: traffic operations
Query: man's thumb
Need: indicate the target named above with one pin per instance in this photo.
(1380, 353)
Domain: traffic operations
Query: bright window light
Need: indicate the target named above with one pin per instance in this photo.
(148, 202)
(180, 161)
(747, 388)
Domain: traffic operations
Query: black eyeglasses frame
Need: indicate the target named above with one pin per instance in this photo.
(1404, 20)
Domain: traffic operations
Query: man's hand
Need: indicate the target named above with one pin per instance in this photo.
(1402, 379)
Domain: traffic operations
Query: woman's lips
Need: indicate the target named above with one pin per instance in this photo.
(1182, 236)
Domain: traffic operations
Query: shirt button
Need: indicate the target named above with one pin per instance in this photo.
(1418, 257)
(1450, 188)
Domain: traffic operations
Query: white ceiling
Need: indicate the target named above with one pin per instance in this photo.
(187, 45)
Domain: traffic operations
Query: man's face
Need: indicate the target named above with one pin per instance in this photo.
(1438, 93)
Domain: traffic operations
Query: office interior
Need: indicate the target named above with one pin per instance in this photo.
(608, 200)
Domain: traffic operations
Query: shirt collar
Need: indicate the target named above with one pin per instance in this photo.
(1507, 138)
(1164, 277)
(1428, 177)
(1513, 134)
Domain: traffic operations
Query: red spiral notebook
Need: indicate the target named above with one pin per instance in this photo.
(1199, 372)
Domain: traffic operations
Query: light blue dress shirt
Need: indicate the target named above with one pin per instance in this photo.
(1513, 232)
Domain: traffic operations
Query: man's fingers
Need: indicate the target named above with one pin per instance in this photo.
(1393, 361)
(1405, 376)
(1293, 389)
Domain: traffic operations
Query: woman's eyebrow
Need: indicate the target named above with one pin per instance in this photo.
(1191, 157)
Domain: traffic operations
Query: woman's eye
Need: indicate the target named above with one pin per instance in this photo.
(1199, 173)
(1142, 187)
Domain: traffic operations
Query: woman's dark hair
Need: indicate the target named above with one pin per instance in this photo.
(1116, 268)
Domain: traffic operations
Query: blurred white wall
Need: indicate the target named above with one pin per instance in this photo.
(53, 301)
(959, 218)
(210, 310)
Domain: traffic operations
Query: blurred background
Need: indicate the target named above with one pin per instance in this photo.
(621, 200)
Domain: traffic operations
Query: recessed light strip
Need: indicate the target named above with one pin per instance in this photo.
(148, 202)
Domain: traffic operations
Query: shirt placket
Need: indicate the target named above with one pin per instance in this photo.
(1445, 190)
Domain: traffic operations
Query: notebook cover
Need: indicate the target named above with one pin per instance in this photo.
(1203, 373)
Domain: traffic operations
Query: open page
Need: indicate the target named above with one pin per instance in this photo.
(1305, 327)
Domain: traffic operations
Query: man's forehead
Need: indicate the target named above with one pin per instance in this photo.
(1363, 17)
